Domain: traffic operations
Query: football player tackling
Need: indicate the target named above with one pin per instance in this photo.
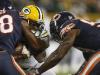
(84, 35)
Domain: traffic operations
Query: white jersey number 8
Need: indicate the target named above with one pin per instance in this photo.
(6, 24)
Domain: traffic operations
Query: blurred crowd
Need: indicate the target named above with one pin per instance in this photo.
(89, 9)
(81, 8)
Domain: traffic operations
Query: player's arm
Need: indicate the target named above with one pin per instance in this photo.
(32, 39)
(60, 52)
(40, 44)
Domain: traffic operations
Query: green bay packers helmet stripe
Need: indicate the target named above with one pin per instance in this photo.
(40, 13)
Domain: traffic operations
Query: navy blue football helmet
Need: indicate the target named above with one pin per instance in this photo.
(57, 22)
(5, 4)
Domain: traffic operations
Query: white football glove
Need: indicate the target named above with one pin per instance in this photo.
(40, 34)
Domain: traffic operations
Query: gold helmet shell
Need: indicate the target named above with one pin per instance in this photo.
(32, 12)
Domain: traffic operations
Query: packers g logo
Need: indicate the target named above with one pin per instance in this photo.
(26, 11)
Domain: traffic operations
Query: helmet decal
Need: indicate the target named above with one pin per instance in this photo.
(70, 17)
(56, 17)
(26, 10)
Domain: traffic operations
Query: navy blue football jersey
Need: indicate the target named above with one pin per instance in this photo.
(89, 36)
(10, 30)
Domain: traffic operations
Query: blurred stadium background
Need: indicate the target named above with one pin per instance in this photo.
(86, 9)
